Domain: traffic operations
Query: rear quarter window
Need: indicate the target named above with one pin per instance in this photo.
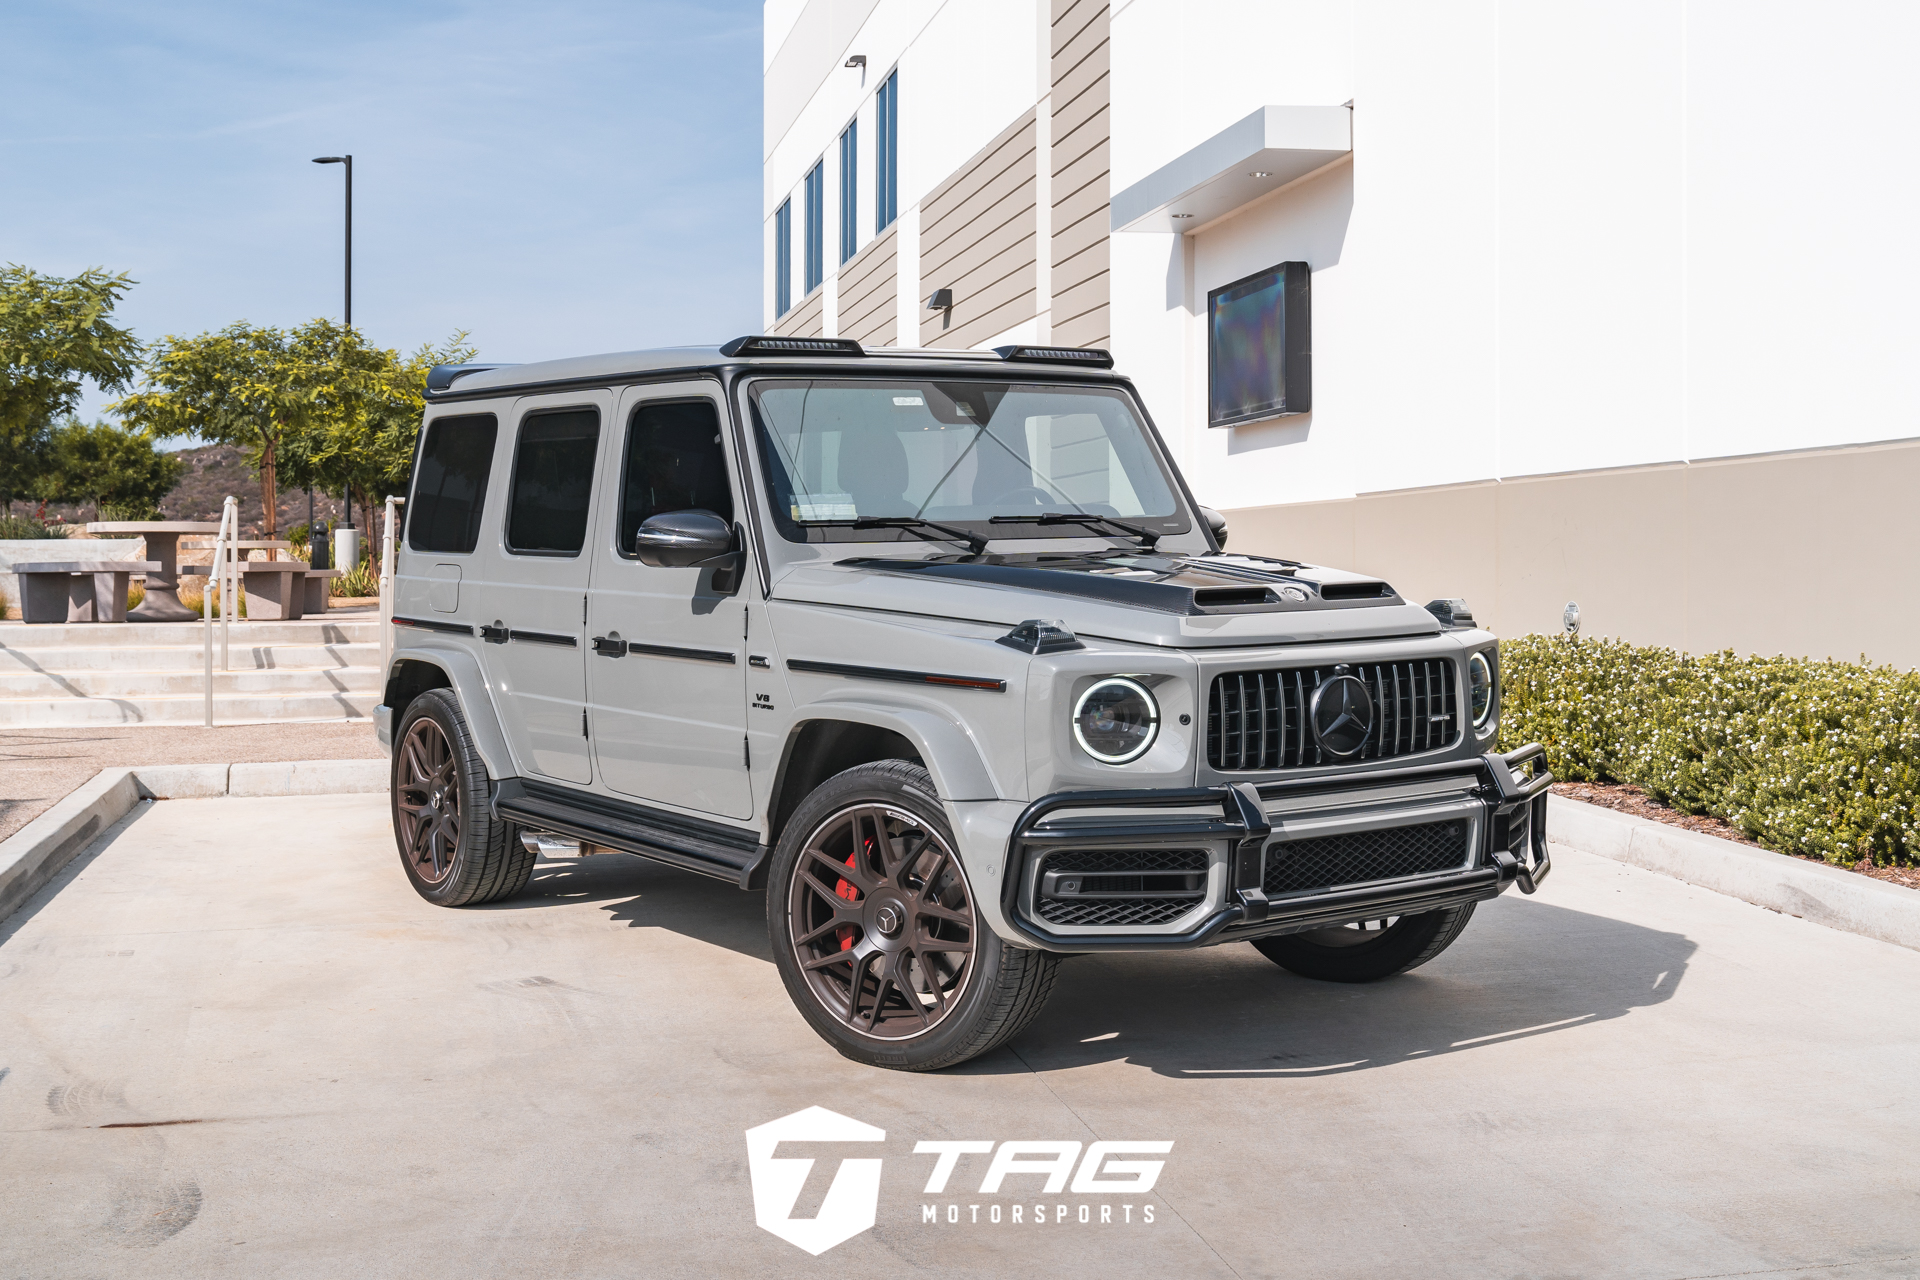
(450, 486)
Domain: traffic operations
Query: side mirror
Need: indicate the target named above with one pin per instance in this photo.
(1217, 523)
(683, 539)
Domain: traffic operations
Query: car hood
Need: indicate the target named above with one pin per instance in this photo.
(1142, 597)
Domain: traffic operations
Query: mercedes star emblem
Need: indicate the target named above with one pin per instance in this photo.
(1342, 714)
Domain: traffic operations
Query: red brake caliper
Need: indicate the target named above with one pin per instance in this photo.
(846, 890)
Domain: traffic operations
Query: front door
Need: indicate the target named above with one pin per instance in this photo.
(667, 663)
(532, 609)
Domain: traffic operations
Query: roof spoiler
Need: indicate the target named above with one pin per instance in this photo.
(761, 344)
(441, 376)
(1093, 357)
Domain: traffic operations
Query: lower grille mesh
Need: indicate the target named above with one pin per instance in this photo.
(1113, 866)
(1294, 866)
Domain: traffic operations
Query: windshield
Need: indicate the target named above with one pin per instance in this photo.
(960, 453)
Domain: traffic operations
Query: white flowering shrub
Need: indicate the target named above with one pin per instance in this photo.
(1817, 758)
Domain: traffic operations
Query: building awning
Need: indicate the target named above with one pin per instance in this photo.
(1241, 163)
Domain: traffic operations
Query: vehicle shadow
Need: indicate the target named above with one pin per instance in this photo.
(646, 895)
(1519, 970)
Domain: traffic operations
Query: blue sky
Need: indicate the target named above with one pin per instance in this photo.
(559, 179)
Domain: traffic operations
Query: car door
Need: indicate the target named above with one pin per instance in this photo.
(531, 610)
(667, 667)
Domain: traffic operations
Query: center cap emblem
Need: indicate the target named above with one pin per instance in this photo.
(1342, 715)
(887, 921)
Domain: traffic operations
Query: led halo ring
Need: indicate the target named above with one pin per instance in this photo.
(1479, 675)
(1153, 722)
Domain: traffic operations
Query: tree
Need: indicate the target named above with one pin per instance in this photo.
(105, 465)
(243, 386)
(364, 411)
(54, 335)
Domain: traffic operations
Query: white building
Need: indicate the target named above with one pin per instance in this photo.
(1610, 302)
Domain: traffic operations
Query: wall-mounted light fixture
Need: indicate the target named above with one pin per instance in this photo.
(857, 60)
(942, 300)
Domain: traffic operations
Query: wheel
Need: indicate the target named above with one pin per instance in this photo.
(875, 931)
(1367, 951)
(454, 850)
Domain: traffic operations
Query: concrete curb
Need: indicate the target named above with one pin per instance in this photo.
(40, 850)
(1812, 891)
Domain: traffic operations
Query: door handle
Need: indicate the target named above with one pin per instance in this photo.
(495, 634)
(610, 646)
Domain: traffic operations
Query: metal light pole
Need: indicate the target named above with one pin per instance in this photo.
(347, 498)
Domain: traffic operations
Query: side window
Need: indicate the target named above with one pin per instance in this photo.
(674, 463)
(552, 482)
(450, 487)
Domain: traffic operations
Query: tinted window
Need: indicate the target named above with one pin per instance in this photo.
(450, 486)
(674, 463)
(553, 482)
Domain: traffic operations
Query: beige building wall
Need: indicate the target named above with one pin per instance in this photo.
(807, 320)
(868, 296)
(1081, 146)
(979, 236)
(1809, 553)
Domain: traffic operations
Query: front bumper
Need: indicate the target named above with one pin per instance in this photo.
(1506, 814)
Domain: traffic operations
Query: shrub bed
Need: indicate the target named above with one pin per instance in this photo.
(1814, 758)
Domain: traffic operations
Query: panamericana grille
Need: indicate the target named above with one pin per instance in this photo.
(1258, 719)
(1295, 866)
(1120, 871)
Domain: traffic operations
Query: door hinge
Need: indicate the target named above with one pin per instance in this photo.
(583, 611)
(583, 722)
(746, 752)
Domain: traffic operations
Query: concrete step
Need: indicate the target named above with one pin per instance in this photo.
(157, 657)
(329, 629)
(70, 712)
(121, 683)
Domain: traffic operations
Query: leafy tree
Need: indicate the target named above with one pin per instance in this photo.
(243, 386)
(54, 335)
(106, 466)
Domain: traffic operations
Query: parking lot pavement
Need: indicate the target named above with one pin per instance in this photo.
(233, 1042)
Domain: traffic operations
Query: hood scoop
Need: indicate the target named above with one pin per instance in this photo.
(1195, 586)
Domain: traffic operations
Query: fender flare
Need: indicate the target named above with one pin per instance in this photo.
(948, 749)
(464, 675)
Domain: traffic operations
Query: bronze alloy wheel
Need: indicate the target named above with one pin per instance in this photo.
(882, 924)
(427, 801)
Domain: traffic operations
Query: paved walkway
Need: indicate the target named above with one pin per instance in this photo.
(39, 766)
(233, 1042)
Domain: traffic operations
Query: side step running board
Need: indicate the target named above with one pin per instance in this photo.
(710, 848)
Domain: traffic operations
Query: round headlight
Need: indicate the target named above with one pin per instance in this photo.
(1480, 682)
(1116, 720)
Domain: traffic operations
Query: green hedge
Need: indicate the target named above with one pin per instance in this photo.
(1815, 758)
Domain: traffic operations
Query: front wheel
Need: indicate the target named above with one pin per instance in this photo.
(875, 932)
(1368, 950)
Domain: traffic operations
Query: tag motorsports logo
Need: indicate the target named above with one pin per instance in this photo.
(852, 1200)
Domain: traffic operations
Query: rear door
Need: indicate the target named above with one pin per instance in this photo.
(666, 669)
(532, 609)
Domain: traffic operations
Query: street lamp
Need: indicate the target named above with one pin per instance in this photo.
(346, 319)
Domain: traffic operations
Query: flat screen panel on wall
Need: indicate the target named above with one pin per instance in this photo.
(1260, 347)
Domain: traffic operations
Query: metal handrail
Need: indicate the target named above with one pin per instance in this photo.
(386, 586)
(217, 574)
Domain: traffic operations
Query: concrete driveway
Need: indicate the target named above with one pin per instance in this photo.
(234, 1043)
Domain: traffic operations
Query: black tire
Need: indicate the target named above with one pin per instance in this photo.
(1363, 954)
(941, 991)
(452, 848)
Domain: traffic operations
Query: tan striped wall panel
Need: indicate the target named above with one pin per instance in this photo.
(979, 236)
(808, 320)
(869, 293)
(1081, 129)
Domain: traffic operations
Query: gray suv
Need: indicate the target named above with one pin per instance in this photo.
(936, 649)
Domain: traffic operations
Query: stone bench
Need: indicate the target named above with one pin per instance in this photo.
(77, 590)
(279, 589)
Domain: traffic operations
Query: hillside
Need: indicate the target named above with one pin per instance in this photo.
(214, 471)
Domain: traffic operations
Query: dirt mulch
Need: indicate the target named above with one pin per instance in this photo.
(1629, 799)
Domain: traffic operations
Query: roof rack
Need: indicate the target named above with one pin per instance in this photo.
(1092, 356)
(441, 376)
(768, 345)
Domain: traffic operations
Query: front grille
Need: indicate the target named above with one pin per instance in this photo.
(1258, 719)
(1295, 866)
(1115, 876)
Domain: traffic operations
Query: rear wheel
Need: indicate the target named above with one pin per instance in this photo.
(1369, 950)
(456, 853)
(875, 932)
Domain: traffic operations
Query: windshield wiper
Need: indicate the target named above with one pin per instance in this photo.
(910, 524)
(1148, 538)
